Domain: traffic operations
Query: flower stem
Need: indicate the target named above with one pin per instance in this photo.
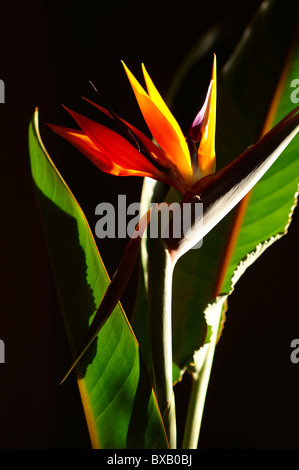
(199, 389)
(160, 270)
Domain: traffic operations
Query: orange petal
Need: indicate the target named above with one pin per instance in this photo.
(162, 124)
(149, 145)
(79, 140)
(101, 158)
(115, 147)
(206, 149)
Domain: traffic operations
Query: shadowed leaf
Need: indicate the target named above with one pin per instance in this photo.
(120, 407)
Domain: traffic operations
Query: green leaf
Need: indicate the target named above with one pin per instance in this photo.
(120, 407)
(255, 79)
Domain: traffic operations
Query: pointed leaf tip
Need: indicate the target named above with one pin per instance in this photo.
(114, 291)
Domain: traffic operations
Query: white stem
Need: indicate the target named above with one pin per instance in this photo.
(160, 270)
(200, 387)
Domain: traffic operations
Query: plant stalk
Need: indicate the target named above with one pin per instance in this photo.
(199, 389)
(160, 271)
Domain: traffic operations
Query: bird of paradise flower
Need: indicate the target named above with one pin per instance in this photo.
(186, 163)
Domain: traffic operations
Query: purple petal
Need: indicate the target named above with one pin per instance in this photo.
(199, 122)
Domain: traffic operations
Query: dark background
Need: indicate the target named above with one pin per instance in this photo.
(49, 52)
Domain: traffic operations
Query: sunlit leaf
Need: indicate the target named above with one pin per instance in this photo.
(253, 95)
(119, 404)
(250, 102)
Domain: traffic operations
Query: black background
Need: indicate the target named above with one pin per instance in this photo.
(49, 52)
